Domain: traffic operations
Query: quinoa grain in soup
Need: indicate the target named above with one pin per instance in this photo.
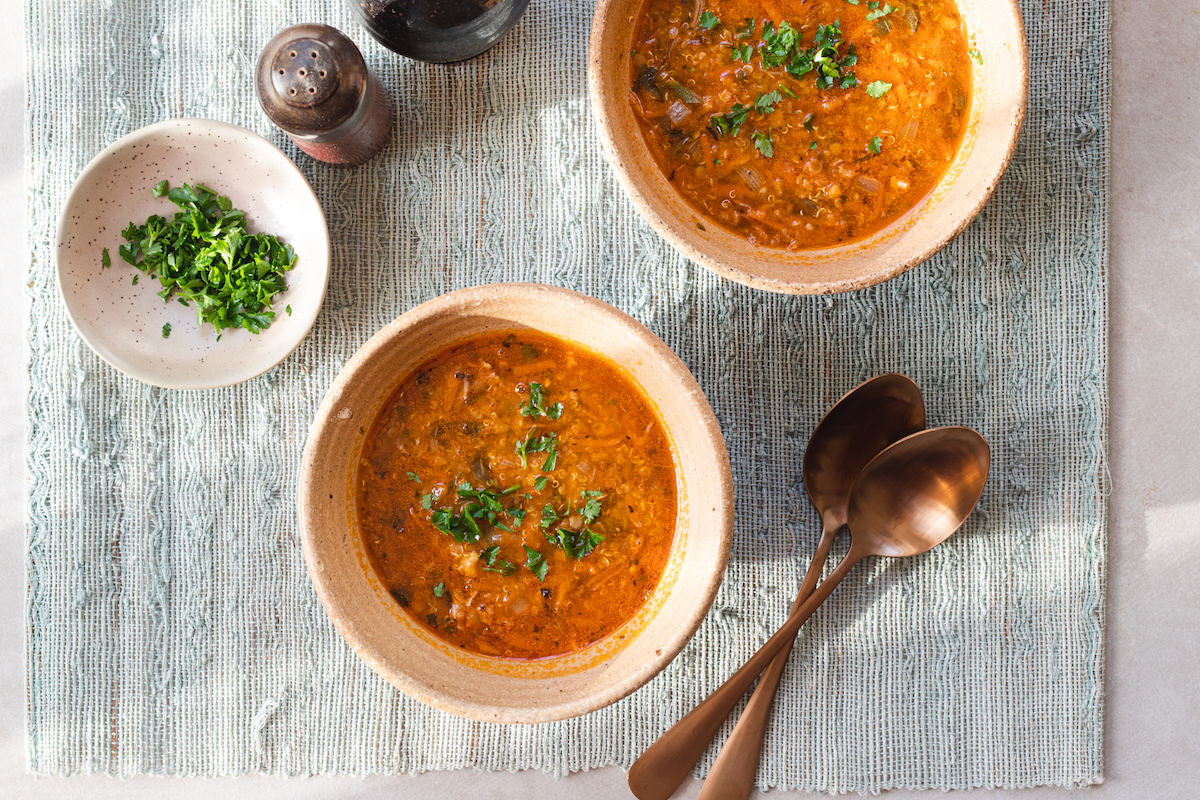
(517, 496)
(801, 125)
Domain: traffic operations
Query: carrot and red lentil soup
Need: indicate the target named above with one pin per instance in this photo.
(517, 496)
(802, 125)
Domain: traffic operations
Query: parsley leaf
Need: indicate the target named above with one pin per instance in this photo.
(875, 145)
(591, 507)
(576, 544)
(105, 259)
(743, 53)
(539, 482)
(762, 142)
(160, 189)
(491, 557)
(878, 88)
(708, 20)
(975, 54)
(746, 30)
(166, 330)
(539, 444)
(440, 590)
(876, 12)
(483, 505)
(765, 103)
(729, 124)
(412, 476)
(537, 404)
(536, 562)
(777, 44)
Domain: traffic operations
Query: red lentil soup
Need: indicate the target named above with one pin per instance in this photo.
(517, 495)
(802, 125)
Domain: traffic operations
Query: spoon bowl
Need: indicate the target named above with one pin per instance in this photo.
(917, 492)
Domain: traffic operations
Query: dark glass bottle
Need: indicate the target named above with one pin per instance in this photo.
(438, 30)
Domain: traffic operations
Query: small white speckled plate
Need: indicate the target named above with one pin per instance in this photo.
(122, 322)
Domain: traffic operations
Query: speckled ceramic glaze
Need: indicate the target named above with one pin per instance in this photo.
(122, 322)
(432, 670)
(999, 85)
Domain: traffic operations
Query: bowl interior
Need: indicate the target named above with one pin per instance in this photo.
(122, 322)
(999, 86)
(492, 689)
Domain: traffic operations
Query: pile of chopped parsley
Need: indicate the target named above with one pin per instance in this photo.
(204, 256)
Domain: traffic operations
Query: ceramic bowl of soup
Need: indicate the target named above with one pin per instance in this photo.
(810, 148)
(516, 503)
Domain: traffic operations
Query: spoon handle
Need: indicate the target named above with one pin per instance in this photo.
(664, 765)
(732, 775)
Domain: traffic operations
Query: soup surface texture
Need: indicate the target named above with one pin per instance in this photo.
(802, 125)
(517, 495)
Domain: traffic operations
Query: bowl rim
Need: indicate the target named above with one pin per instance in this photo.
(317, 262)
(665, 228)
(312, 493)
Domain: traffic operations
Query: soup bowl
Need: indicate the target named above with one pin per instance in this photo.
(403, 651)
(998, 89)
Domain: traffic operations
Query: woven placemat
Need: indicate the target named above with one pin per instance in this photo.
(171, 625)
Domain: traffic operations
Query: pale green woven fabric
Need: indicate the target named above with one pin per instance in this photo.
(171, 624)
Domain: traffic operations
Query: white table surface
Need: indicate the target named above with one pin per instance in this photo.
(1152, 744)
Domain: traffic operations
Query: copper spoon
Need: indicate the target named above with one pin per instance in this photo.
(867, 419)
(908, 499)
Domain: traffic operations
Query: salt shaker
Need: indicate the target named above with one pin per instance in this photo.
(313, 83)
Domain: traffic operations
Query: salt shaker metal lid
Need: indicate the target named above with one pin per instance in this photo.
(311, 79)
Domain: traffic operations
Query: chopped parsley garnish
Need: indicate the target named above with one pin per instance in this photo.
(536, 562)
(539, 444)
(160, 188)
(288, 309)
(777, 44)
(539, 482)
(440, 590)
(743, 53)
(812, 145)
(729, 124)
(575, 544)
(412, 476)
(788, 92)
(491, 557)
(762, 143)
(484, 505)
(166, 330)
(105, 259)
(809, 121)
(537, 404)
(876, 11)
(765, 103)
(205, 255)
(747, 30)
(878, 88)
(875, 145)
(708, 20)
(591, 507)
(975, 54)
(517, 513)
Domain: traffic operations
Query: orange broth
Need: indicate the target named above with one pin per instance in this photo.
(592, 508)
(761, 149)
